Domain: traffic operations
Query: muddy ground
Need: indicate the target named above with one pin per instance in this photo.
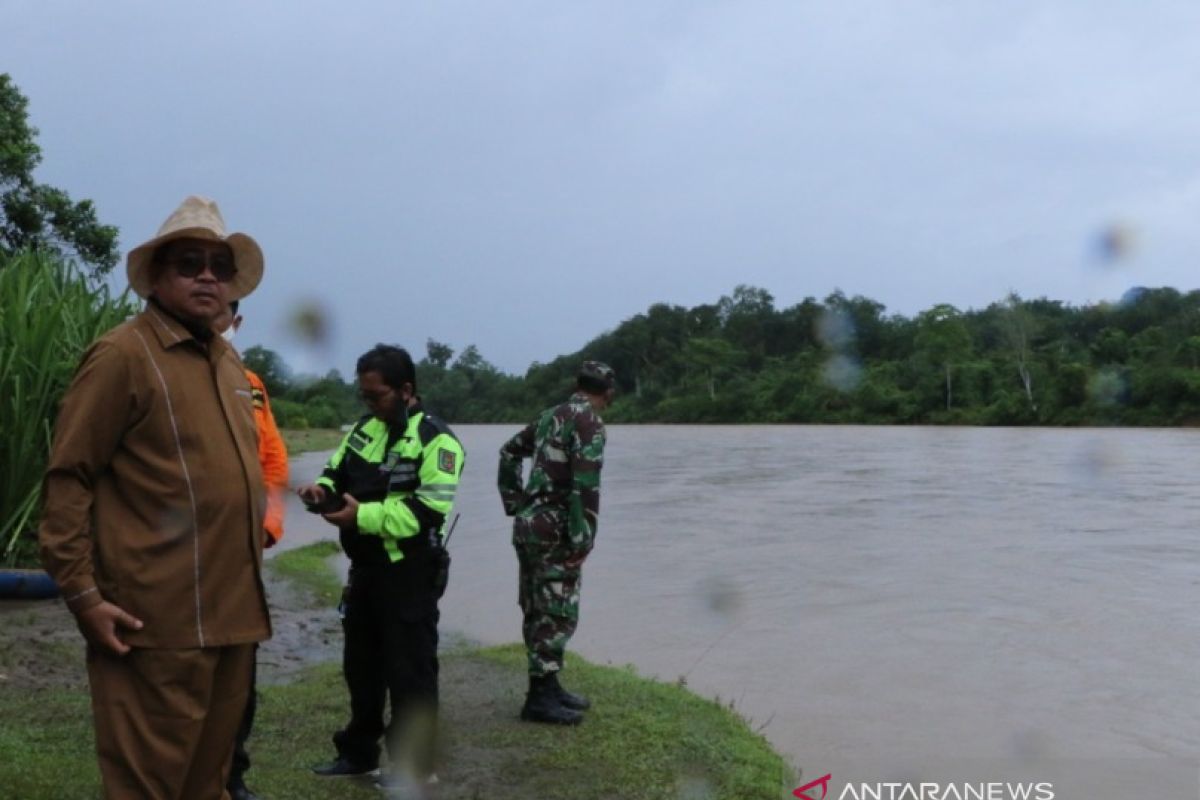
(40, 646)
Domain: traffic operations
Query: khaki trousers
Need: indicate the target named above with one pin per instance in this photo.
(166, 719)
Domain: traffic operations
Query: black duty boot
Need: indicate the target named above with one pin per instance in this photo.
(575, 702)
(542, 705)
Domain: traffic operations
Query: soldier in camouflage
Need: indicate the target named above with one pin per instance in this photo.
(556, 515)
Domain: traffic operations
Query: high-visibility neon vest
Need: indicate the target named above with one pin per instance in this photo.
(404, 483)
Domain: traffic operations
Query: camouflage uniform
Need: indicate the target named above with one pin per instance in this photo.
(556, 516)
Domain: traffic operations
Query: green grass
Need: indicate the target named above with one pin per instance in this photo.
(642, 740)
(308, 569)
(292, 734)
(310, 439)
(49, 755)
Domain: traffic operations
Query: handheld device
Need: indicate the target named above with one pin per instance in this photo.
(328, 504)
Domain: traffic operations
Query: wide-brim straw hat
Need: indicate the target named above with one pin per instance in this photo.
(197, 218)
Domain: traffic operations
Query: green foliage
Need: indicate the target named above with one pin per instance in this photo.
(289, 413)
(841, 360)
(439, 354)
(49, 314)
(302, 402)
(943, 342)
(469, 390)
(271, 368)
(36, 216)
(328, 401)
(1017, 362)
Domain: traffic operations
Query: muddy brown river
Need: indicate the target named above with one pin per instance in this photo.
(898, 601)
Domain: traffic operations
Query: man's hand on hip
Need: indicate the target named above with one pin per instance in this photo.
(99, 624)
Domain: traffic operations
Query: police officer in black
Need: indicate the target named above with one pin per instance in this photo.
(389, 488)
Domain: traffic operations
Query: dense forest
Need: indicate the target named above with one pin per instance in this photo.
(840, 360)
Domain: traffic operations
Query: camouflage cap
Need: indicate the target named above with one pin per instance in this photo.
(599, 371)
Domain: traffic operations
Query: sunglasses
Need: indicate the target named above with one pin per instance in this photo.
(191, 263)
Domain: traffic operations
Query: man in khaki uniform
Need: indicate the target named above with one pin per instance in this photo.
(153, 517)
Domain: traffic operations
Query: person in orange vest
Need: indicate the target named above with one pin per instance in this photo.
(272, 455)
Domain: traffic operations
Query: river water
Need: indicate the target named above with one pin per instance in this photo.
(885, 595)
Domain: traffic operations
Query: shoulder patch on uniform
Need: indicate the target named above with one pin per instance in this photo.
(257, 396)
(447, 460)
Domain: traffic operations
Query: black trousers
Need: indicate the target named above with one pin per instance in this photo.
(390, 654)
(241, 759)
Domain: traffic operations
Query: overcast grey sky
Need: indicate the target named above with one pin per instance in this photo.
(525, 175)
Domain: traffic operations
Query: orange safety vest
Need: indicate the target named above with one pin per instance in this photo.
(272, 455)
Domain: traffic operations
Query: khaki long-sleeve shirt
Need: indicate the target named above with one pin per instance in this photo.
(153, 497)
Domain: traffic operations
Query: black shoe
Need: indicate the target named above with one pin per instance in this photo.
(240, 792)
(575, 702)
(344, 768)
(542, 705)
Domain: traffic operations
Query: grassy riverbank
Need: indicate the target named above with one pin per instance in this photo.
(644, 740)
(307, 568)
(310, 439)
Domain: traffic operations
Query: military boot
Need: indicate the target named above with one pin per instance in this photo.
(575, 702)
(543, 705)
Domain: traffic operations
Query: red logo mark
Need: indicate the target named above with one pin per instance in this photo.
(803, 790)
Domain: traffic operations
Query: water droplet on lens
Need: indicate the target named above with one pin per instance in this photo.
(835, 329)
(311, 324)
(721, 596)
(842, 373)
(1114, 243)
(1097, 463)
(1107, 388)
(694, 785)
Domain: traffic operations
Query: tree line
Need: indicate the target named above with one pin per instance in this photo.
(838, 360)
(740, 359)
